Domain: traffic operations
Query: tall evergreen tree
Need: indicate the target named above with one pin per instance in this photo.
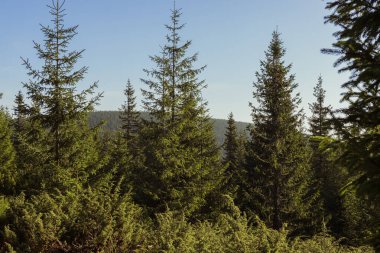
(125, 154)
(231, 144)
(358, 48)
(130, 117)
(328, 178)
(278, 173)
(65, 147)
(29, 147)
(20, 124)
(233, 157)
(8, 175)
(19, 112)
(181, 155)
(358, 123)
(319, 123)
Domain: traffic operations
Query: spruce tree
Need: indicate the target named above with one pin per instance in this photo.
(181, 157)
(65, 144)
(319, 122)
(29, 147)
(8, 173)
(125, 151)
(233, 157)
(278, 173)
(20, 124)
(358, 48)
(357, 124)
(130, 117)
(19, 112)
(328, 178)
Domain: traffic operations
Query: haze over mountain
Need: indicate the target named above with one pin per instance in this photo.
(112, 122)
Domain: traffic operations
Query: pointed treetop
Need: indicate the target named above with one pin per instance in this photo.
(319, 122)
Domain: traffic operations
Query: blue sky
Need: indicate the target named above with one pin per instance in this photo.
(229, 35)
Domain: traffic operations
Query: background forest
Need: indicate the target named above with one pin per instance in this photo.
(164, 180)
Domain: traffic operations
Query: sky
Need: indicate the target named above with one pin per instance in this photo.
(230, 36)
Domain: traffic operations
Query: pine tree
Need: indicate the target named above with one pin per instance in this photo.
(20, 124)
(358, 48)
(233, 157)
(126, 153)
(8, 173)
(181, 157)
(278, 173)
(319, 123)
(319, 128)
(328, 178)
(65, 145)
(357, 124)
(19, 112)
(130, 117)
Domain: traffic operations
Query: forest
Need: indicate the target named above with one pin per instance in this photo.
(161, 182)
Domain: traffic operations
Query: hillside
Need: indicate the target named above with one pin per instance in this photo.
(112, 123)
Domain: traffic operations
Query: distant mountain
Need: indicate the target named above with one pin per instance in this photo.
(112, 123)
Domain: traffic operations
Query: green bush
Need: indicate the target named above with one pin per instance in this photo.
(231, 234)
(85, 221)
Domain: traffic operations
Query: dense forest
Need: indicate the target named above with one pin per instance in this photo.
(160, 180)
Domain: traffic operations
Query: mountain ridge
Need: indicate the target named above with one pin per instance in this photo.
(112, 122)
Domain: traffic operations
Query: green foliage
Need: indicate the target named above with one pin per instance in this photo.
(8, 172)
(121, 165)
(181, 157)
(66, 187)
(232, 234)
(325, 243)
(58, 130)
(129, 116)
(4, 205)
(35, 224)
(20, 120)
(92, 220)
(106, 222)
(319, 121)
(234, 148)
(174, 234)
(348, 212)
(227, 234)
(358, 124)
(327, 177)
(278, 176)
(358, 48)
(356, 212)
(127, 152)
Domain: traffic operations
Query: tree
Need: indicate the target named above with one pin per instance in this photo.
(358, 48)
(19, 112)
(233, 157)
(327, 177)
(65, 145)
(357, 124)
(319, 123)
(319, 128)
(181, 157)
(8, 175)
(126, 155)
(278, 172)
(130, 118)
(19, 125)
